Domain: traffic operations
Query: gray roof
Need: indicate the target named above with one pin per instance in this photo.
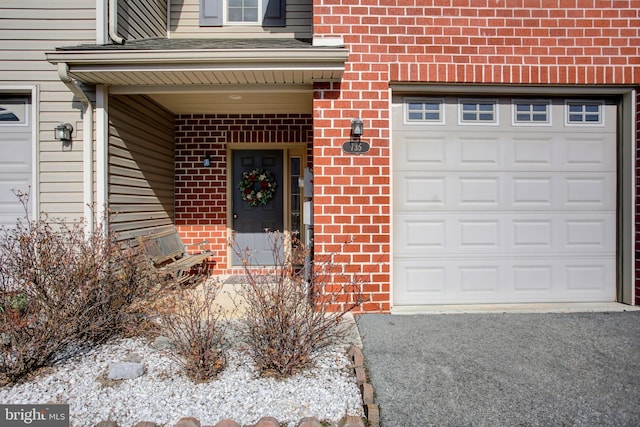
(195, 44)
(170, 62)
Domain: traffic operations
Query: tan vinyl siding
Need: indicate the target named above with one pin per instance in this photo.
(28, 29)
(141, 167)
(140, 19)
(185, 23)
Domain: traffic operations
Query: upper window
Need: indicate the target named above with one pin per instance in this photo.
(426, 110)
(243, 11)
(584, 112)
(484, 111)
(268, 13)
(531, 112)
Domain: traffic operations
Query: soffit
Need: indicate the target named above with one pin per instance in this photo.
(275, 100)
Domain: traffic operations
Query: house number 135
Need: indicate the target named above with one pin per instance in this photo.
(355, 147)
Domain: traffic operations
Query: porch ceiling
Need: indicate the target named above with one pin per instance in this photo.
(208, 75)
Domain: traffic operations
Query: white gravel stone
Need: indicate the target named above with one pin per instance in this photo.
(328, 390)
(123, 371)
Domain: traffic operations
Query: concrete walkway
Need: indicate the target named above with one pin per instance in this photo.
(504, 369)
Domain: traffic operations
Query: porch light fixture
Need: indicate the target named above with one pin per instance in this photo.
(357, 128)
(206, 162)
(62, 132)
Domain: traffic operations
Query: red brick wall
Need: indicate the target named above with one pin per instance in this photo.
(352, 199)
(483, 41)
(547, 42)
(201, 192)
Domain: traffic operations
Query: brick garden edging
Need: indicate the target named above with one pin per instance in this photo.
(370, 409)
(347, 421)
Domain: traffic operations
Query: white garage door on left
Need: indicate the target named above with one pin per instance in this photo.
(15, 155)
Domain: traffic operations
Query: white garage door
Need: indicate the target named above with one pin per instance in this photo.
(15, 158)
(503, 200)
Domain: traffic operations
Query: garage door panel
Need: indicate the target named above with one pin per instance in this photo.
(590, 278)
(483, 280)
(442, 151)
(533, 191)
(582, 234)
(590, 152)
(16, 152)
(533, 152)
(481, 152)
(478, 233)
(561, 191)
(593, 191)
(417, 151)
(417, 191)
(420, 233)
(500, 151)
(563, 234)
(9, 183)
(477, 191)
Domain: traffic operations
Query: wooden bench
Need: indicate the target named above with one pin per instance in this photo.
(169, 255)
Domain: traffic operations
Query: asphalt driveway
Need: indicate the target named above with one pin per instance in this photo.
(576, 369)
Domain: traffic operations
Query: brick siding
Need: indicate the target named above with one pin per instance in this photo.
(545, 42)
(352, 199)
(201, 192)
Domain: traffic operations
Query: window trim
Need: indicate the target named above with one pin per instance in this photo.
(439, 101)
(514, 112)
(493, 101)
(599, 102)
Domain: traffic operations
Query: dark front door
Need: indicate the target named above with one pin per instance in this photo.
(253, 217)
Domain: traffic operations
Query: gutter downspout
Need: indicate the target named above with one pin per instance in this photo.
(113, 21)
(87, 141)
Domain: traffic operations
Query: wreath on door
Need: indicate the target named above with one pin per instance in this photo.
(257, 186)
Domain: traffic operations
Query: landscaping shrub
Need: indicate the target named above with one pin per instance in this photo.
(196, 325)
(62, 290)
(290, 315)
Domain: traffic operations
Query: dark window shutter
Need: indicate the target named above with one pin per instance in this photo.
(211, 13)
(274, 13)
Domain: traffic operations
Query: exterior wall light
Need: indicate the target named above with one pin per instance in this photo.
(62, 132)
(206, 162)
(357, 128)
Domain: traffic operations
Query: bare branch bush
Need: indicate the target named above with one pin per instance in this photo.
(62, 290)
(196, 325)
(290, 315)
